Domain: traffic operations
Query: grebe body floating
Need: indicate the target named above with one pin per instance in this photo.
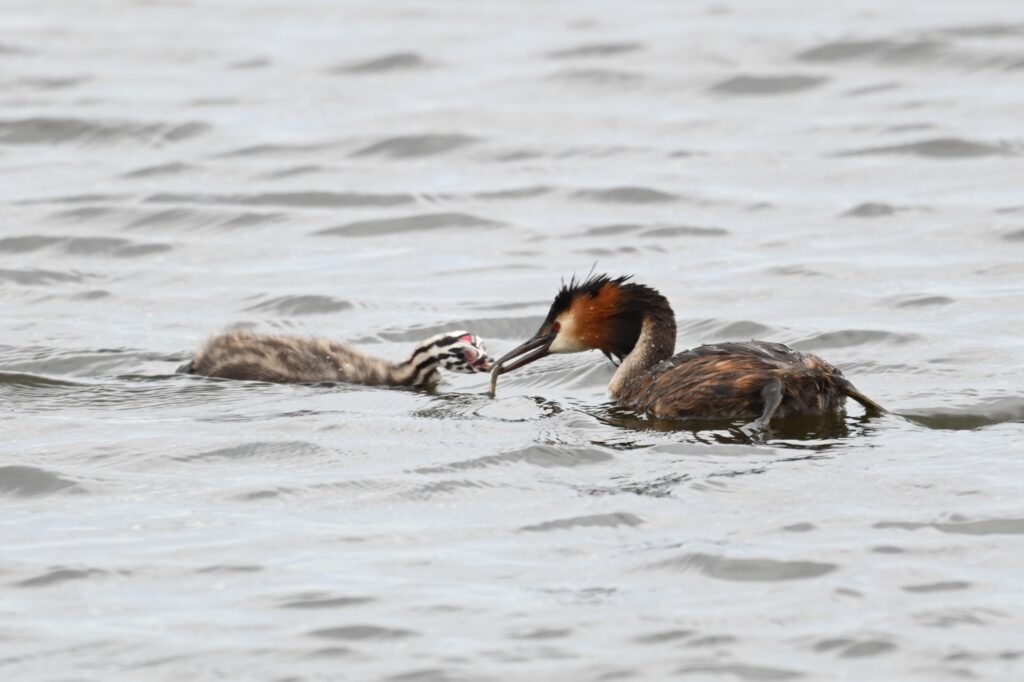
(295, 359)
(634, 325)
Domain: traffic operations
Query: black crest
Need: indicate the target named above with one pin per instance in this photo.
(574, 289)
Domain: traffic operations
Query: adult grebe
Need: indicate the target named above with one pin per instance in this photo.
(635, 324)
(294, 359)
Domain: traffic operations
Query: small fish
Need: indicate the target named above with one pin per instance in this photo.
(495, 371)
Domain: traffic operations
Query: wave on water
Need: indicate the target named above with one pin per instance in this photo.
(302, 305)
(939, 148)
(30, 481)
(487, 328)
(768, 85)
(872, 209)
(922, 301)
(608, 78)
(295, 171)
(274, 150)
(414, 223)
(322, 600)
(613, 520)
(417, 146)
(853, 337)
(362, 633)
(257, 450)
(308, 199)
(528, 192)
(82, 246)
(59, 575)
(161, 170)
(388, 63)
(33, 277)
(544, 456)
(32, 380)
(969, 417)
(683, 231)
(81, 131)
(707, 329)
(76, 363)
(937, 47)
(195, 218)
(592, 50)
(960, 526)
(626, 195)
(746, 570)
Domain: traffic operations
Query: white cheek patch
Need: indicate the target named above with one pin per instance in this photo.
(567, 340)
(564, 344)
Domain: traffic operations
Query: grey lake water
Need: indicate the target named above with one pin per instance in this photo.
(842, 177)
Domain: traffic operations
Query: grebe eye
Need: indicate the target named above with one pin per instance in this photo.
(558, 326)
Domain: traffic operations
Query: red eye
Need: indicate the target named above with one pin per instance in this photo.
(558, 326)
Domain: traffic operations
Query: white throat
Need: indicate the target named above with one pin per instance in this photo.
(639, 359)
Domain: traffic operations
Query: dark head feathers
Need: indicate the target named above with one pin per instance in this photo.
(614, 326)
(588, 287)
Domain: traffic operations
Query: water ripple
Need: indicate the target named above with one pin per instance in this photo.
(985, 527)
(996, 410)
(302, 305)
(277, 450)
(536, 455)
(417, 146)
(613, 520)
(852, 337)
(740, 671)
(311, 199)
(28, 481)
(609, 78)
(82, 246)
(396, 61)
(855, 648)
(72, 130)
(161, 170)
(362, 632)
(322, 600)
(743, 570)
(939, 148)
(885, 50)
(626, 195)
(872, 209)
(768, 85)
(413, 223)
(945, 586)
(596, 50)
(59, 575)
(934, 48)
(40, 277)
(683, 231)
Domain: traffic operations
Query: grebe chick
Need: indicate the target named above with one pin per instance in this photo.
(635, 324)
(295, 359)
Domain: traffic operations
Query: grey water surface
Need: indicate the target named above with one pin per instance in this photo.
(842, 177)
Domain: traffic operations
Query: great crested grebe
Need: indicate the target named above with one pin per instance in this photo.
(295, 359)
(635, 324)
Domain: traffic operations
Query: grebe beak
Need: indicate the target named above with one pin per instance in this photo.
(539, 344)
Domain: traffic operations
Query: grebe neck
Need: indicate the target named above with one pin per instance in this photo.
(420, 370)
(657, 342)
